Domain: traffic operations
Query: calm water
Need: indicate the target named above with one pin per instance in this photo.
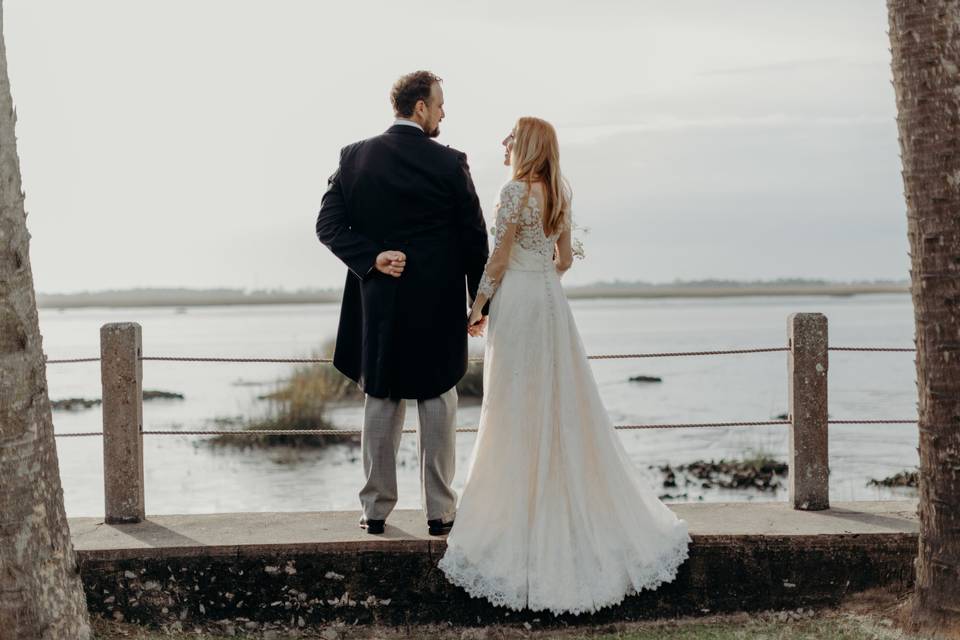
(184, 475)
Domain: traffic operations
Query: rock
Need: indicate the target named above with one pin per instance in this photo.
(118, 616)
(902, 479)
(161, 395)
(667, 496)
(79, 404)
(763, 474)
(646, 379)
(330, 634)
(75, 404)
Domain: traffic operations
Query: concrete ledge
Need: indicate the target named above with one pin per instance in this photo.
(320, 567)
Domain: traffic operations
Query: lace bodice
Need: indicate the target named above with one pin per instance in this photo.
(521, 223)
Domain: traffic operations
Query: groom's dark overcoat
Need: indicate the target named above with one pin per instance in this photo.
(404, 337)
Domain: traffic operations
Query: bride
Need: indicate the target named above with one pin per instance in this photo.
(553, 515)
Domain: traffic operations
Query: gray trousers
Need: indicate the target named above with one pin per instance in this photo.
(436, 448)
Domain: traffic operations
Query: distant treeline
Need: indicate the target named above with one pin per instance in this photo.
(147, 297)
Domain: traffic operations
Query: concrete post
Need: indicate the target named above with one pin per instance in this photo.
(807, 370)
(121, 374)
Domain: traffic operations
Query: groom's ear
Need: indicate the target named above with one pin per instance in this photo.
(420, 108)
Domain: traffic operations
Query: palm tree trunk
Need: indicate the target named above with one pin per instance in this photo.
(40, 591)
(925, 39)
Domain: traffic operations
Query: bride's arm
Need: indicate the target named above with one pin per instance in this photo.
(508, 219)
(496, 266)
(563, 259)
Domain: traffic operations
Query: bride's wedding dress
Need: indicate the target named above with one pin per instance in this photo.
(553, 515)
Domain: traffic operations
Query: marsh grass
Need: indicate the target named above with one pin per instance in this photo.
(300, 402)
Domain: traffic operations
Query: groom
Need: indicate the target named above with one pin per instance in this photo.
(402, 213)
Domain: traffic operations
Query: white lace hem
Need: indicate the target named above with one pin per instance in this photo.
(468, 575)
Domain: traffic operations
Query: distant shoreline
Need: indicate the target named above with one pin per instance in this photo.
(187, 298)
(667, 291)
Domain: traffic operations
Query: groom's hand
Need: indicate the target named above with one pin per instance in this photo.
(391, 263)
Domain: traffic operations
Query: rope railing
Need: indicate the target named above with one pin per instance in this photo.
(121, 357)
(356, 432)
(606, 356)
(901, 349)
(350, 432)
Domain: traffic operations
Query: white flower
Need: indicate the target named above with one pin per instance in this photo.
(576, 242)
(578, 248)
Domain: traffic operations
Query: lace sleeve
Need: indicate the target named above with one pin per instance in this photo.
(508, 217)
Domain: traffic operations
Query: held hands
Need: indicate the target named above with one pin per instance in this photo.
(476, 323)
(391, 263)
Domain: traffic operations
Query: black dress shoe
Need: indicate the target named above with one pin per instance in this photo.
(438, 527)
(373, 526)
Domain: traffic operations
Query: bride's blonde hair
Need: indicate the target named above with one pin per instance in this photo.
(536, 158)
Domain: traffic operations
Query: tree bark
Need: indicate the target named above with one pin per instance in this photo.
(925, 39)
(41, 595)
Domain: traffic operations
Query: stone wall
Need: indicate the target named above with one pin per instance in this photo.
(397, 582)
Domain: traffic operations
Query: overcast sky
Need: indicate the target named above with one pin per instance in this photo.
(187, 143)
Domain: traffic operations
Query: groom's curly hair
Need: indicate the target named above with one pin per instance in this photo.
(409, 89)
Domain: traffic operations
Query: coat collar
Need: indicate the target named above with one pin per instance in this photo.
(405, 129)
